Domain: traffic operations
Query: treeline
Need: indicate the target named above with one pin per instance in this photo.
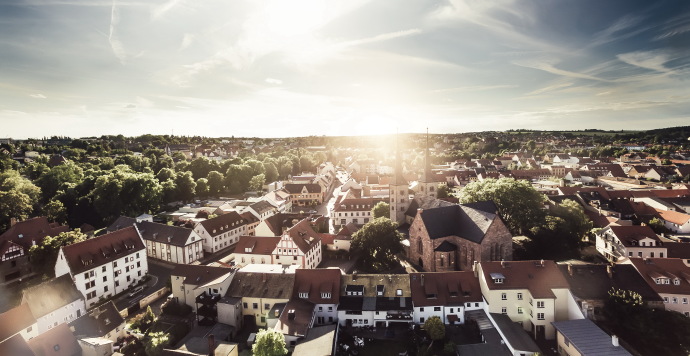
(96, 190)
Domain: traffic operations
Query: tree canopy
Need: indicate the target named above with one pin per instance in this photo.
(269, 343)
(376, 243)
(381, 210)
(518, 203)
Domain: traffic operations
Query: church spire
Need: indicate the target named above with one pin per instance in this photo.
(426, 174)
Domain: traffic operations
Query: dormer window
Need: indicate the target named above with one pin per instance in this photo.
(326, 295)
(304, 295)
(497, 278)
(676, 281)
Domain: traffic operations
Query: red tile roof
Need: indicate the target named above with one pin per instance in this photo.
(449, 288)
(526, 275)
(671, 268)
(296, 318)
(317, 282)
(58, 341)
(628, 234)
(15, 320)
(304, 235)
(15, 346)
(673, 216)
(92, 253)
(32, 230)
(257, 245)
(223, 223)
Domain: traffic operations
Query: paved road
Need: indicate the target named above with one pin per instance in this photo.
(160, 275)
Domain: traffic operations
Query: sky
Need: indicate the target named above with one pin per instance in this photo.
(278, 68)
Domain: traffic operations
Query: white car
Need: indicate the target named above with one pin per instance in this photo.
(136, 291)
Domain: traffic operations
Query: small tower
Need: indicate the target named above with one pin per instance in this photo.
(399, 190)
(427, 185)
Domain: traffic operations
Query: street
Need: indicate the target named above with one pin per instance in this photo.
(160, 275)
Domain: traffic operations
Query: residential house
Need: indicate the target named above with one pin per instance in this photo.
(174, 244)
(222, 231)
(299, 245)
(255, 249)
(16, 241)
(201, 287)
(375, 300)
(305, 194)
(618, 243)
(582, 337)
(670, 278)
(321, 287)
(675, 221)
(18, 321)
(281, 199)
(533, 293)
(295, 320)
(660, 173)
(56, 342)
(106, 265)
(54, 302)
(259, 293)
(15, 346)
(590, 285)
(512, 336)
(320, 340)
(355, 211)
(262, 209)
(103, 323)
(452, 237)
(446, 295)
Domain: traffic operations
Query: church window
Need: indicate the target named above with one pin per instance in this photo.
(420, 247)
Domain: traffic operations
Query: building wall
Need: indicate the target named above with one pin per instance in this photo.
(230, 314)
(678, 306)
(325, 313)
(365, 319)
(399, 202)
(259, 308)
(15, 266)
(221, 239)
(65, 314)
(566, 349)
(178, 254)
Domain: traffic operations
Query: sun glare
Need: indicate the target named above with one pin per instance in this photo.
(295, 17)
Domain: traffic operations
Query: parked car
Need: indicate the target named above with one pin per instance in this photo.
(136, 291)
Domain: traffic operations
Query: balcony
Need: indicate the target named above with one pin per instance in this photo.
(207, 311)
(398, 316)
(208, 299)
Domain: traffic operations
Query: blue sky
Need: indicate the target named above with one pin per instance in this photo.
(340, 67)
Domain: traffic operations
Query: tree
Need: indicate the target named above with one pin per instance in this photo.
(269, 343)
(377, 242)
(657, 225)
(55, 211)
(271, 172)
(202, 187)
(443, 192)
(518, 203)
(185, 184)
(155, 343)
(44, 255)
(381, 210)
(257, 182)
(14, 204)
(435, 328)
(215, 183)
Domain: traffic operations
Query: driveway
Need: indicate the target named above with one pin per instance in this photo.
(160, 275)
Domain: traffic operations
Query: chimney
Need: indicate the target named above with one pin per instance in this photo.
(570, 269)
(422, 280)
(211, 345)
(614, 341)
(263, 277)
(475, 269)
(291, 314)
(541, 263)
(503, 263)
(354, 275)
(609, 271)
(13, 221)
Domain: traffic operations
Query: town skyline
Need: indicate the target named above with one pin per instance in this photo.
(90, 68)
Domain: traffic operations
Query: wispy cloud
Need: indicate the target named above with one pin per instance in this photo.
(160, 10)
(675, 26)
(115, 43)
(476, 88)
(652, 60)
(548, 67)
(273, 81)
(625, 27)
(38, 96)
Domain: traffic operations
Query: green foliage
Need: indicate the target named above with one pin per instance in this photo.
(55, 211)
(177, 309)
(381, 210)
(257, 182)
(142, 321)
(55, 179)
(202, 187)
(657, 225)
(185, 186)
(155, 343)
(449, 348)
(518, 203)
(237, 178)
(44, 255)
(14, 204)
(443, 192)
(644, 328)
(215, 183)
(269, 343)
(435, 328)
(271, 172)
(562, 232)
(377, 242)
(123, 192)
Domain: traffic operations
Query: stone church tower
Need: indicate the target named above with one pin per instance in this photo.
(399, 190)
(427, 186)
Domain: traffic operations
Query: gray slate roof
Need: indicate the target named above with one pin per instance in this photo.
(51, 295)
(470, 222)
(172, 235)
(515, 335)
(588, 338)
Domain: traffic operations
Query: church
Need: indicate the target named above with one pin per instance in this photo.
(445, 236)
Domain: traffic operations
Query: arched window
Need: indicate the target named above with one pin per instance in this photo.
(420, 247)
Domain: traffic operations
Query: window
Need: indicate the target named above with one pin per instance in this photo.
(267, 306)
(519, 296)
(421, 320)
(675, 300)
(398, 292)
(421, 309)
(676, 281)
(540, 304)
(103, 269)
(105, 289)
(685, 300)
(519, 310)
(540, 316)
(304, 295)
(255, 305)
(244, 305)
(437, 308)
(504, 310)
(105, 278)
(504, 296)
(665, 299)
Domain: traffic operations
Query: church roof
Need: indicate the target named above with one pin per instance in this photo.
(468, 222)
